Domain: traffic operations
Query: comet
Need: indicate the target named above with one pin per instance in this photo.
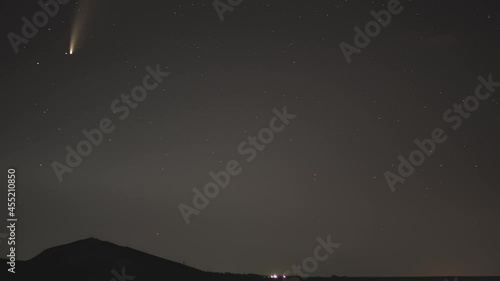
(75, 34)
(78, 24)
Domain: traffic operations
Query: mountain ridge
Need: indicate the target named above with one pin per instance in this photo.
(91, 259)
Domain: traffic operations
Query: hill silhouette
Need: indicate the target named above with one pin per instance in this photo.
(95, 260)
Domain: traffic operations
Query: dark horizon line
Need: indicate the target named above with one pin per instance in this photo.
(226, 272)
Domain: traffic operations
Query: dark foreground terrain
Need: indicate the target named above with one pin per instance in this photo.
(95, 260)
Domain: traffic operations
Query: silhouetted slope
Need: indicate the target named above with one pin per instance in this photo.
(94, 260)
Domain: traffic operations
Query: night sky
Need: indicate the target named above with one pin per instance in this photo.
(323, 174)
